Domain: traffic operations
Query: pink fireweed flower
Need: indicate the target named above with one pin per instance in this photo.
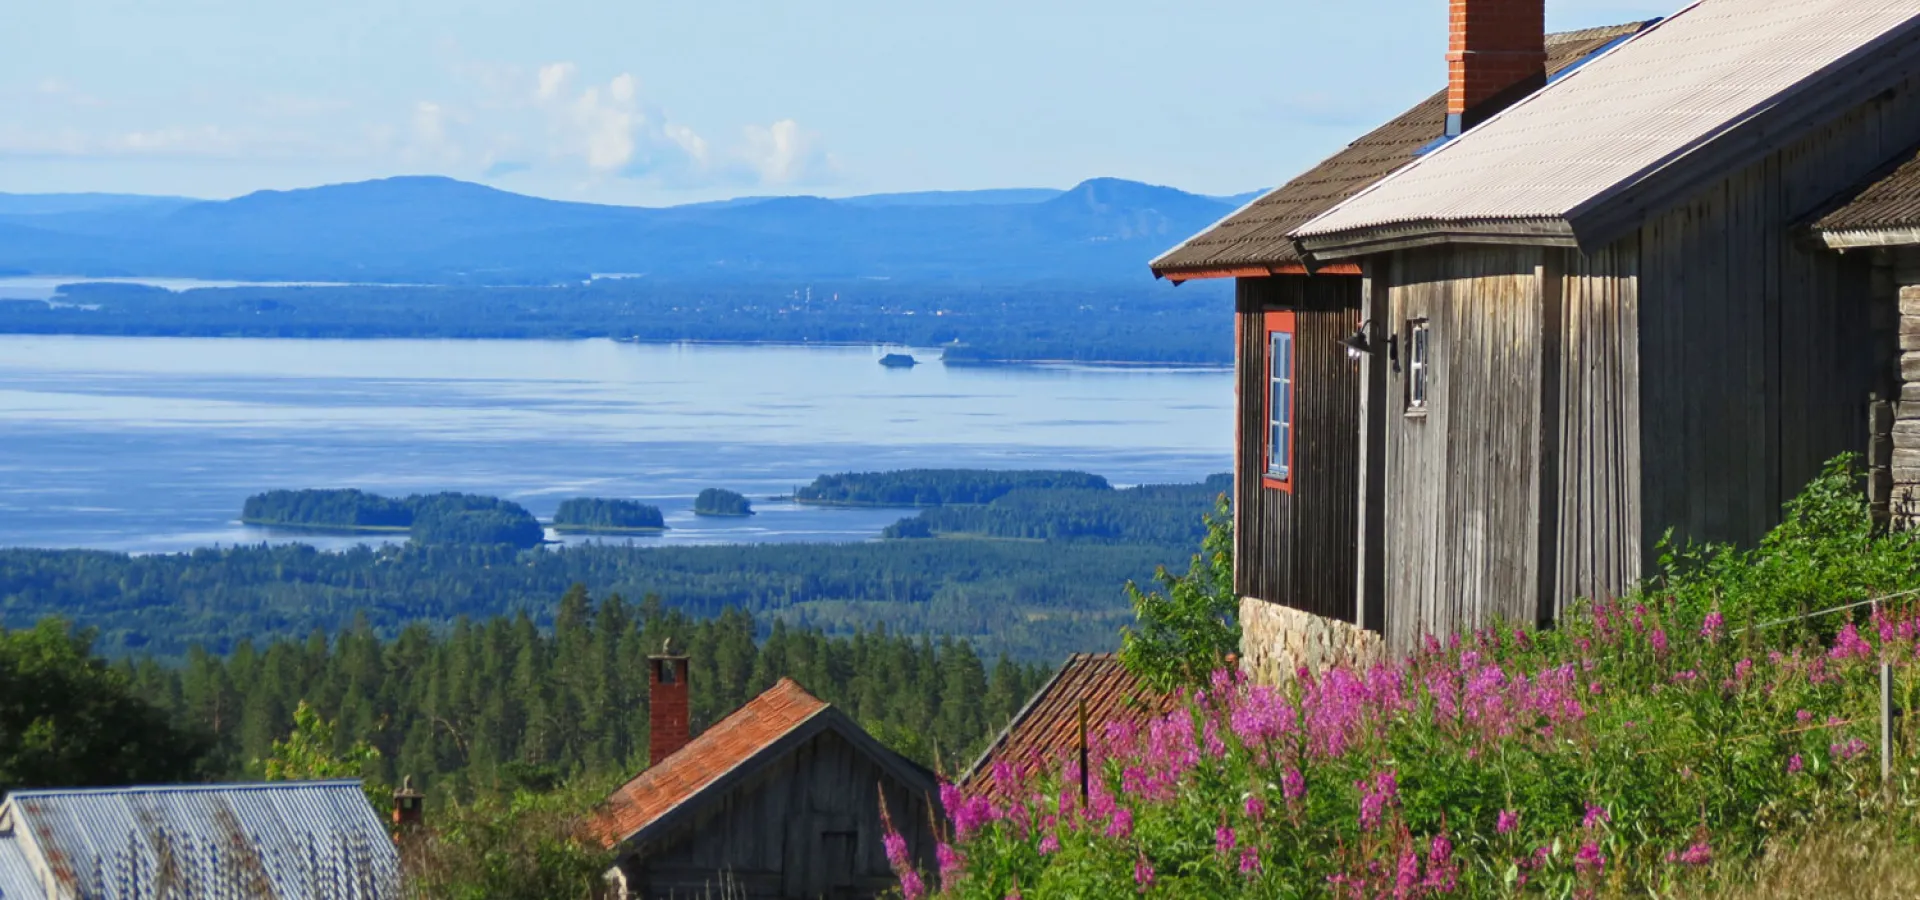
(1596, 815)
(1121, 827)
(1049, 844)
(951, 862)
(1685, 676)
(1249, 860)
(1256, 808)
(1852, 748)
(1507, 821)
(1589, 860)
(1659, 641)
(1848, 644)
(1803, 716)
(896, 848)
(1594, 689)
(1713, 627)
(1795, 764)
(1699, 854)
(1293, 785)
(1376, 796)
(1443, 874)
(911, 887)
(1224, 840)
(1142, 873)
(1406, 875)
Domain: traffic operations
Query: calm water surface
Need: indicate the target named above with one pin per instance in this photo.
(151, 444)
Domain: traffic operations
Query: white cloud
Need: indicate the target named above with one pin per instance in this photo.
(783, 153)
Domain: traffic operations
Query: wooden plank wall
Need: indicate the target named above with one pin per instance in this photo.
(782, 833)
(1757, 348)
(1299, 548)
(1461, 492)
(1594, 534)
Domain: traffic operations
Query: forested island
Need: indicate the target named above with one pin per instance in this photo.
(584, 515)
(443, 518)
(721, 502)
(1147, 514)
(936, 487)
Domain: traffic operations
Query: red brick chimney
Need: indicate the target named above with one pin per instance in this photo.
(667, 725)
(408, 807)
(1496, 54)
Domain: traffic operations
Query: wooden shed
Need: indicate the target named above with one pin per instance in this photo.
(1591, 309)
(780, 799)
(1064, 720)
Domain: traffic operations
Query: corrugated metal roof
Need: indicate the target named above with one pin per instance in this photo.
(1047, 732)
(683, 776)
(1626, 115)
(1892, 201)
(311, 839)
(18, 880)
(1256, 234)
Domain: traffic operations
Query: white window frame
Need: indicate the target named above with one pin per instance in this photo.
(1419, 366)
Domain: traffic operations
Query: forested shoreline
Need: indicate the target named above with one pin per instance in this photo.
(984, 323)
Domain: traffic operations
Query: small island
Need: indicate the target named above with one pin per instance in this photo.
(444, 518)
(585, 515)
(721, 502)
(898, 361)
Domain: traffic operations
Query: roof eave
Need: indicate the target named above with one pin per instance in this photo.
(1356, 242)
(1862, 238)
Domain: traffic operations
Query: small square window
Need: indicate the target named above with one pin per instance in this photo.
(1419, 366)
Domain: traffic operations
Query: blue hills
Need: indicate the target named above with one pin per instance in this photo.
(421, 229)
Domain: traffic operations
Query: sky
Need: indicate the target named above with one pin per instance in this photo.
(653, 103)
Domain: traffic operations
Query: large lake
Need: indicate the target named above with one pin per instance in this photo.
(151, 444)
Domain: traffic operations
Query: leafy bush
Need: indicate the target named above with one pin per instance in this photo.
(526, 846)
(1182, 635)
(1827, 551)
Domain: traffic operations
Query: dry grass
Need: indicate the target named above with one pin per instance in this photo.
(1864, 860)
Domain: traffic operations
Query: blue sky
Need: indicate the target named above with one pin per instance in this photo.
(643, 102)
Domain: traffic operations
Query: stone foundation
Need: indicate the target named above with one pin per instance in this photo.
(1276, 642)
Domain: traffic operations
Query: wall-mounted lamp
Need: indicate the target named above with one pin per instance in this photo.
(1359, 343)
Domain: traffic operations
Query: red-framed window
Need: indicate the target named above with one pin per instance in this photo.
(1280, 465)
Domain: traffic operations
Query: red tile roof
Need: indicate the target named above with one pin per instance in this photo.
(720, 749)
(1046, 732)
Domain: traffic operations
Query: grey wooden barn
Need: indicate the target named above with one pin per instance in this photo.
(780, 799)
(1605, 286)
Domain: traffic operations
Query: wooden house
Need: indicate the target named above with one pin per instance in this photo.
(1482, 373)
(780, 799)
(1064, 720)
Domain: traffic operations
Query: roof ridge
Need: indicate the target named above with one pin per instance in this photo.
(302, 784)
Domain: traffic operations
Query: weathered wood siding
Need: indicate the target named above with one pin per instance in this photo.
(1298, 548)
(1460, 493)
(1591, 526)
(807, 826)
(1758, 349)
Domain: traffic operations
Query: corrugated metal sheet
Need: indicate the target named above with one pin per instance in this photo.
(1047, 732)
(1889, 202)
(315, 839)
(1256, 235)
(18, 880)
(1622, 116)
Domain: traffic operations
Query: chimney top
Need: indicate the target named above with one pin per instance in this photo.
(1496, 54)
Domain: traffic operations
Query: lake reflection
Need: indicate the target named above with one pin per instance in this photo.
(151, 444)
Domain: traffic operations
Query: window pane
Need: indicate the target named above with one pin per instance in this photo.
(1280, 404)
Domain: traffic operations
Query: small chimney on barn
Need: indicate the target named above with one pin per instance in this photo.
(1496, 54)
(408, 806)
(667, 724)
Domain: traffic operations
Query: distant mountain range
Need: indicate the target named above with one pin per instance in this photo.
(439, 230)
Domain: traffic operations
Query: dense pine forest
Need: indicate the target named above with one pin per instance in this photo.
(497, 704)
